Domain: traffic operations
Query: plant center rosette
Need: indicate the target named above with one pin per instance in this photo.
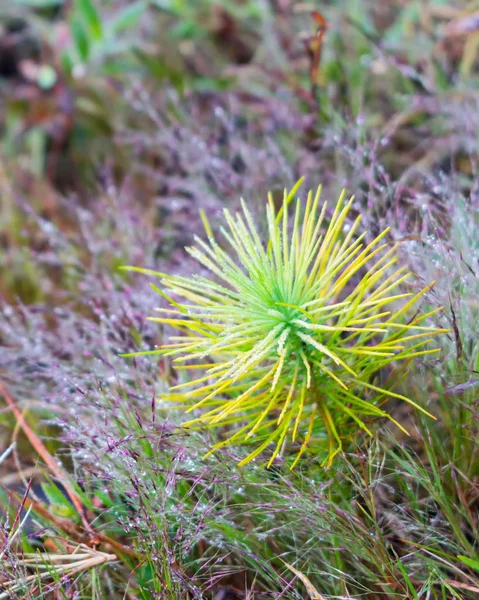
(290, 335)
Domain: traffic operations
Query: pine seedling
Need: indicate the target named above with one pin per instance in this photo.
(290, 335)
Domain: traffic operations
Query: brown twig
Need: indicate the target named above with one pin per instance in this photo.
(314, 47)
(64, 565)
(42, 451)
(70, 528)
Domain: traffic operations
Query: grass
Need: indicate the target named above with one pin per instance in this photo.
(110, 160)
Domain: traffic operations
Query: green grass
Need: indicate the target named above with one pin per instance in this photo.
(180, 108)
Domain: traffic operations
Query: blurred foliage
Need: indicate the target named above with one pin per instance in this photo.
(119, 121)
